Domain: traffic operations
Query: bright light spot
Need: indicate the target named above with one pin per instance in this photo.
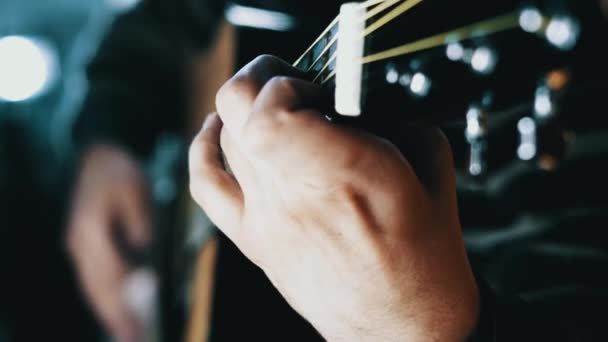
(526, 151)
(474, 129)
(477, 155)
(526, 126)
(531, 20)
(27, 68)
(527, 132)
(483, 60)
(122, 5)
(475, 169)
(543, 106)
(455, 51)
(420, 84)
(562, 32)
(392, 76)
(244, 16)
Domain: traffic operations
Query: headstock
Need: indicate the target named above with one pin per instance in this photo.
(479, 65)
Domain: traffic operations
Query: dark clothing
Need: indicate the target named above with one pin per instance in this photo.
(541, 266)
(138, 79)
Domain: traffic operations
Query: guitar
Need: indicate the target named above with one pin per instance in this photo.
(504, 79)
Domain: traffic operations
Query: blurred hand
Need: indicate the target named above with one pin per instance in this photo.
(109, 206)
(338, 219)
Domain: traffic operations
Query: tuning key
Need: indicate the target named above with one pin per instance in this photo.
(541, 137)
(476, 134)
(543, 103)
(484, 60)
(420, 84)
(528, 139)
(392, 74)
(563, 32)
(542, 141)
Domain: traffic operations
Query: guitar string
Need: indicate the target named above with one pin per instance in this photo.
(331, 60)
(482, 28)
(390, 16)
(366, 4)
(387, 18)
(372, 13)
(321, 37)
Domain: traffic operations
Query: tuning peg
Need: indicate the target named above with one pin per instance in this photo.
(484, 60)
(417, 82)
(541, 137)
(544, 141)
(543, 103)
(562, 32)
(455, 51)
(392, 74)
(420, 84)
(528, 147)
(531, 20)
(476, 134)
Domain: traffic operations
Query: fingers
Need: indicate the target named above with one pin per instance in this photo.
(136, 214)
(283, 93)
(235, 99)
(238, 162)
(285, 115)
(102, 272)
(211, 186)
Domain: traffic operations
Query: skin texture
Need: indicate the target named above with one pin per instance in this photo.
(110, 201)
(338, 219)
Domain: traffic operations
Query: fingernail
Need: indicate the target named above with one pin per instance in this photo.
(209, 121)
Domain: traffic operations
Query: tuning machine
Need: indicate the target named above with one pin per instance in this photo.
(413, 79)
(540, 136)
(482, 58)
(476, 134)
(561, 31)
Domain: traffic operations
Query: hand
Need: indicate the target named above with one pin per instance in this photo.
(109, 203)
(338, 219)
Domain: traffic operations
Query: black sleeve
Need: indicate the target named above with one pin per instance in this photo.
(138, 80)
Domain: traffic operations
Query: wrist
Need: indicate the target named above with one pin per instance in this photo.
(455, 324)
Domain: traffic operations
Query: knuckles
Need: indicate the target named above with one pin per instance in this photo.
(264, 99)
(272, 120)
(242, 89)
(236, 94)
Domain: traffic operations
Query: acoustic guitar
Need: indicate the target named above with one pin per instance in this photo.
(506, 80)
